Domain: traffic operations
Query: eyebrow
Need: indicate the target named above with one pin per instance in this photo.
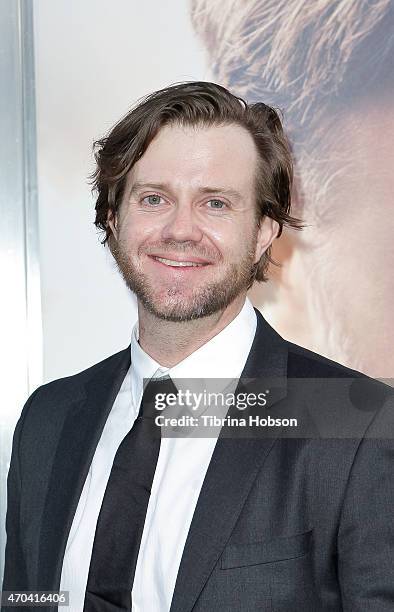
(139, 186)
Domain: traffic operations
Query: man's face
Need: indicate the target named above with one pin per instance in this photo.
(186, 231)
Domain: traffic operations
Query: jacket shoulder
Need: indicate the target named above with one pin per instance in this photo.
(366, 393)
(304, 362)
(70, 387)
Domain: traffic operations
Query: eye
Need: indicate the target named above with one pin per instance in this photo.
(152, 200)
(217, 204)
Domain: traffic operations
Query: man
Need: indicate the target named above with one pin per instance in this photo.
(193, 186)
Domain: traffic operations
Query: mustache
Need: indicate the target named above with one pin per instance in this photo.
(180, 248)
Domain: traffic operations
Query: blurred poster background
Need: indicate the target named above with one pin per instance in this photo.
(326, 63)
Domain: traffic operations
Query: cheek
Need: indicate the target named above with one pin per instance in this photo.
(226, 235)
(236, 239)
(135, 230)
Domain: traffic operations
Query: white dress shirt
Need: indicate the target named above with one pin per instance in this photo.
(179, 475)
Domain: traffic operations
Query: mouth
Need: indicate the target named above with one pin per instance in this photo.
(175, 263)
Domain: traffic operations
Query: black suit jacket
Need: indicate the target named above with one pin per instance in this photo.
(282, 523)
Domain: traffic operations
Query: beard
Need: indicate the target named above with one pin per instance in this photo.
(172, 304)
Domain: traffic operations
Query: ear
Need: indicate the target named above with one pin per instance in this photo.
(267, 232)
(112, 222)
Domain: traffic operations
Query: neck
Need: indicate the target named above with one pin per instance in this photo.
(169, 342)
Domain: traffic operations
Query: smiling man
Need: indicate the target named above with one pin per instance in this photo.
(187, 235)
(193, 185)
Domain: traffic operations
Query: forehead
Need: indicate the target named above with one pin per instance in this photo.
(198, 156)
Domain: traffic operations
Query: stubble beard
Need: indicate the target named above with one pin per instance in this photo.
(200, 302)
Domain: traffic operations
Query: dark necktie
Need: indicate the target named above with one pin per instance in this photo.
(122, 516)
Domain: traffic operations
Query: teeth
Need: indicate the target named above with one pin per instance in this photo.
(170, 262)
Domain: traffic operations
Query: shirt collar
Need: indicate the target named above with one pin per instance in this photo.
(222, 357)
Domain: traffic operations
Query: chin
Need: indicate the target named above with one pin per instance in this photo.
(176, 314)
(179, 310)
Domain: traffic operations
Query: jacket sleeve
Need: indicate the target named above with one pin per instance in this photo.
(15, 576)
(366, 532)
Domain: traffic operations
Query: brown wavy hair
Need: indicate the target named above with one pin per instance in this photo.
(197, 104)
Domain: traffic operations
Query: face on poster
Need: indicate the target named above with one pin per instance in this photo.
(327, 65)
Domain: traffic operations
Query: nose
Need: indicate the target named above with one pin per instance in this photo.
(182, 225)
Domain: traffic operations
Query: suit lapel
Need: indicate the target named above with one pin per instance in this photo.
(77, 443)
(233, 468)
